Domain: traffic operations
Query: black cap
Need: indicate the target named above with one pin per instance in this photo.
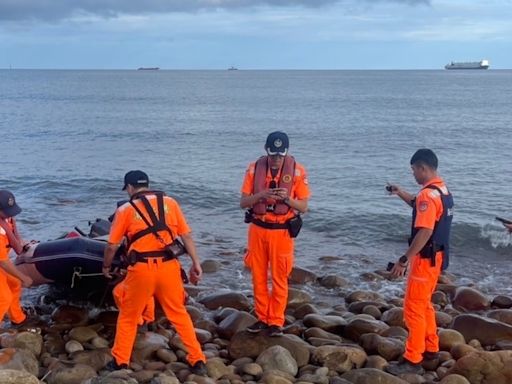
(277, 143)
(8, 203)
(136, 178)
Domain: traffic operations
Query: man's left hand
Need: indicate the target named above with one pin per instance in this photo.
(398, 269)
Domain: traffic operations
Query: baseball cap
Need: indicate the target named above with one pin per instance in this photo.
(136, 178)
(8, 203)
(277, 143)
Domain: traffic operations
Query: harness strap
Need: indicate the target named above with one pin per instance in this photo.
(266, 225)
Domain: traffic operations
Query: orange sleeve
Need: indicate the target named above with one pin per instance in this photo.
(248, 184)
(426, 211)
(301, 184)
(4, 244)
(182, 227)
(119, 226)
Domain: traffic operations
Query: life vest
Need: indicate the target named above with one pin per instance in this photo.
(440, 239)
(286, 178)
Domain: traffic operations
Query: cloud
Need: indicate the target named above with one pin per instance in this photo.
(52, 10)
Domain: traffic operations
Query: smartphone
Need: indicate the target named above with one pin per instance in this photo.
(390, 266)
(504, 221)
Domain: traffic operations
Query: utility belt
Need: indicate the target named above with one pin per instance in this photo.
(144, 257)
(293, 225)
(429, 251)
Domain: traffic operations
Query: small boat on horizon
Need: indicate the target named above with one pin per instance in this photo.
(482, 64)
(232, 68)
(148, 69)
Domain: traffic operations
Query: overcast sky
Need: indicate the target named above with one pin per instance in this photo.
(254, 34)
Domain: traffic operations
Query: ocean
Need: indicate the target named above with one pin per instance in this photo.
(68, 137)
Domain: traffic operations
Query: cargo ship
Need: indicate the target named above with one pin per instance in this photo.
(483, 64)
(148, 69)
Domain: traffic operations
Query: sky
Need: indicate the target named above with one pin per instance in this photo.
(254, 34)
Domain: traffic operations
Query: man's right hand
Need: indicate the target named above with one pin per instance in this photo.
(26, 281)
(508, 226)
(393, 189)
(106, 272)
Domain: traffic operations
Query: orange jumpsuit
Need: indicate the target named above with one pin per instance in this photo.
(10, 286)
(272, 248)
(419, 314)
(156, 278)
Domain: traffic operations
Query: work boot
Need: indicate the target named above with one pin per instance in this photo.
(257, 327)
(405, 366)
(275, 331)
(113, 366)
(30, 323)
(199, 368)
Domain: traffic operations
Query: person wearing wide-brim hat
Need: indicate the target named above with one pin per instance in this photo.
(11, 280)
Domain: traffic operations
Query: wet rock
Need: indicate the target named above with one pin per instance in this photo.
(487, 331)
(313, 378)
(440, 298)
(99, 342)
(82, 334)
(72, 375)
(363, 296)
(203, 336)
(305, 309)
(373, 311)
(11, 376)
(237, 321)
(454, 379)
(394, 317)
(333, 358)
(73, 346)
(252, 369)
(30, 341)
(297, 297)
(245, 344)
(396, 332)
(277, 358)
(443, 319)
(277, 377)
(53, 343)
(358, 306)
(226, 299)
(371, 376)
(96, 359)
(358, 326)
(146, 344)
(503, 315)
(69, 314)
(320, 333)
(449, 338)
(469, 299)
(485, 367)
(502, 301)
(389, 348)
(164, 379)
(210, 266)
(334, 324)
(332, 281)
(302, 276)
(460, 350)
(376, 361)
(18, 359)
(216, 368)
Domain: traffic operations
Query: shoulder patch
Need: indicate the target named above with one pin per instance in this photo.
(422, 206)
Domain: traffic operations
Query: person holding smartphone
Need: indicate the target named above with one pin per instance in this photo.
(275, 191)
(506, 223)
(426, 256)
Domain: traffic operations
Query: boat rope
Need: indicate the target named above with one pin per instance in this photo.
(77, 273)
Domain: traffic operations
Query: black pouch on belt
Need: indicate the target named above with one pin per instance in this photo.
(294, 226)
(175, 249)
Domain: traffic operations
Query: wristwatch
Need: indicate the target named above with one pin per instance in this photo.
(403, 260)
(286, 200)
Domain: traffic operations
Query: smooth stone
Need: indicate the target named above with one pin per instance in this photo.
(503, 315)
(454, 379)
(302, 276)
(394, 317)
(376, 361)
(245, 344)
(217, 369)
(443, 320)
(72, 375)
(229, 299)
(277, 358)
(82, 334)
(30, 341)
(440, 298)
(252, 369)
(469, 299)
(305, 309)
(69, 314)
(358, 326)
(73, 346)
(363, 296)
(99, 342)
(332, 281)
(389, 348)
(355, 354)
(235, 322)
(320, 333)
(502, 301)
(297, 297)
(371, 376)
(333, 324)
(485, 367)
(460, 350)
(146, 344)
(448, 338)
(12, 376)
(97, 358)
(373, 311)
(485, 330)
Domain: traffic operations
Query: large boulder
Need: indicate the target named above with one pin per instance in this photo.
(371, 376)
(503, 315)
(235, 322)
(363, 296)
(278, 358)
(387, 347)
(329, 323)
(245, 344)
(485, 367)
(339, 358)
(469, 299)
(485, 330)
(226, 299)
(82, 334)
(301, 276)
(359, 326)
(297, 297)
(72, 375)
(449, 338)
(394, 317)
(30, 341)
(70, 315)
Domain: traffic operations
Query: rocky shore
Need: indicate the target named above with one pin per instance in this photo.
(351, 341)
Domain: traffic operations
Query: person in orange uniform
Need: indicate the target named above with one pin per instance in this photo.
(11, 280)
(275, 190)
(426, 256)
(151, 222)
